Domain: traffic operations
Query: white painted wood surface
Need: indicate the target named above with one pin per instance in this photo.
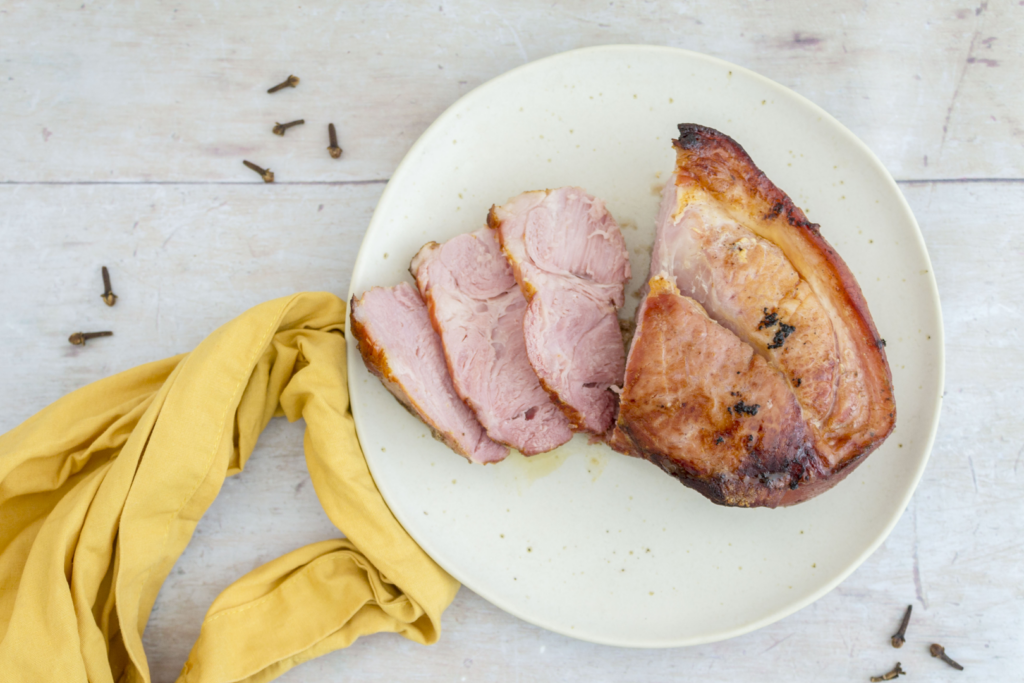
(123, 130)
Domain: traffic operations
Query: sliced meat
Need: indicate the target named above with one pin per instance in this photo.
(401, 348)
(570, 260)
(477, 308)
(706, 408)
(748, 257)
(747, 284)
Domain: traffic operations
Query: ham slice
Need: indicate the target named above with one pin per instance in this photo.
(734, 257)
(707, 408)
(571, 263)
(401, 348)
(477, 308)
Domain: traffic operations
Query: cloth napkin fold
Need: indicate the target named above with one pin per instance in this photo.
(101, 491)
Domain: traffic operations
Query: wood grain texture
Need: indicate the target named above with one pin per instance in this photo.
(176, 91)
(121, 146)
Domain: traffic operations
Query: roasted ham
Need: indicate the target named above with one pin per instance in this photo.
(756, 375)
(571, 263)
(477, 308)
(401, 348)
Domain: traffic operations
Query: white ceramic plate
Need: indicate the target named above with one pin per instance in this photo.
(584, 541)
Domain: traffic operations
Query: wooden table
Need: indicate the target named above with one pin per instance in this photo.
(122, 134)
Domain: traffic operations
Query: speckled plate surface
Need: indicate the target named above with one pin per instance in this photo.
(584, 541)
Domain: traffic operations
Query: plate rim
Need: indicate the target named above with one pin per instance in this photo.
(933, 413)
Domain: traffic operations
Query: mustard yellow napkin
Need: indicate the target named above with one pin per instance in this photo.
(101, 491)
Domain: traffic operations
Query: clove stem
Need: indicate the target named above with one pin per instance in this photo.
(280, 128)
(940, 652)
(108, 296)
(898, 638)
(289, 82)
(889, 675)
(79, 338)
(265, 173)
(332, 134)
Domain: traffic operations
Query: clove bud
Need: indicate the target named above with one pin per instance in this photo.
(332, 135)
(265, 173)
(898, 638)
(289, 82)
(79, 338)
(108, 296)
(940, 652)
(280, 128)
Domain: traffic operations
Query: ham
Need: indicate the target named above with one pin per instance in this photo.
(570, 261)
(707, 408)
(747, 284)
(399, 346)
(735, 259)
(477, 308)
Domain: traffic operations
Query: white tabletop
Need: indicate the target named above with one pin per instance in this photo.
(121, 140)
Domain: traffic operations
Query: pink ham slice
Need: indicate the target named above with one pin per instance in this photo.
(571, 263)
(477, 308)
(401, 348)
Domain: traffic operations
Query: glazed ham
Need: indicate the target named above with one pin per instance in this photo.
(742, 283)
(571, 263)
(699, 402)
(477, 308)
(401, 348)
(748, 285)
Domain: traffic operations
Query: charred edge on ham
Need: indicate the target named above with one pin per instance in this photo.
(701, 139)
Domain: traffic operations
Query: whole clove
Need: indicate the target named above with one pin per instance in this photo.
(940, 652)
(332, 134)
(265, 173)
(888, 676)
(289, 82)
(280, 128)
(898, 638)
(79, 338)
(108, 296)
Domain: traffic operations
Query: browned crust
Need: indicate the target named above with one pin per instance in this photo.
(620, 442)
(376, 362)
(415, 260)
(494, 223)
(436, 324)
(374, 358)
(778, 466)
(720, 166)
(429, 301)
(575, 418)
(751, 488)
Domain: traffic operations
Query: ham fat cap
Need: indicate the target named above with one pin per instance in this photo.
(737, 244)
(570, 260)
(477, 308)
(400, 347)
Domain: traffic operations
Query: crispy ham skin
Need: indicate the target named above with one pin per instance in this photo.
(401, 348)
(477, 308)
(571, 263)
(733, 247)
